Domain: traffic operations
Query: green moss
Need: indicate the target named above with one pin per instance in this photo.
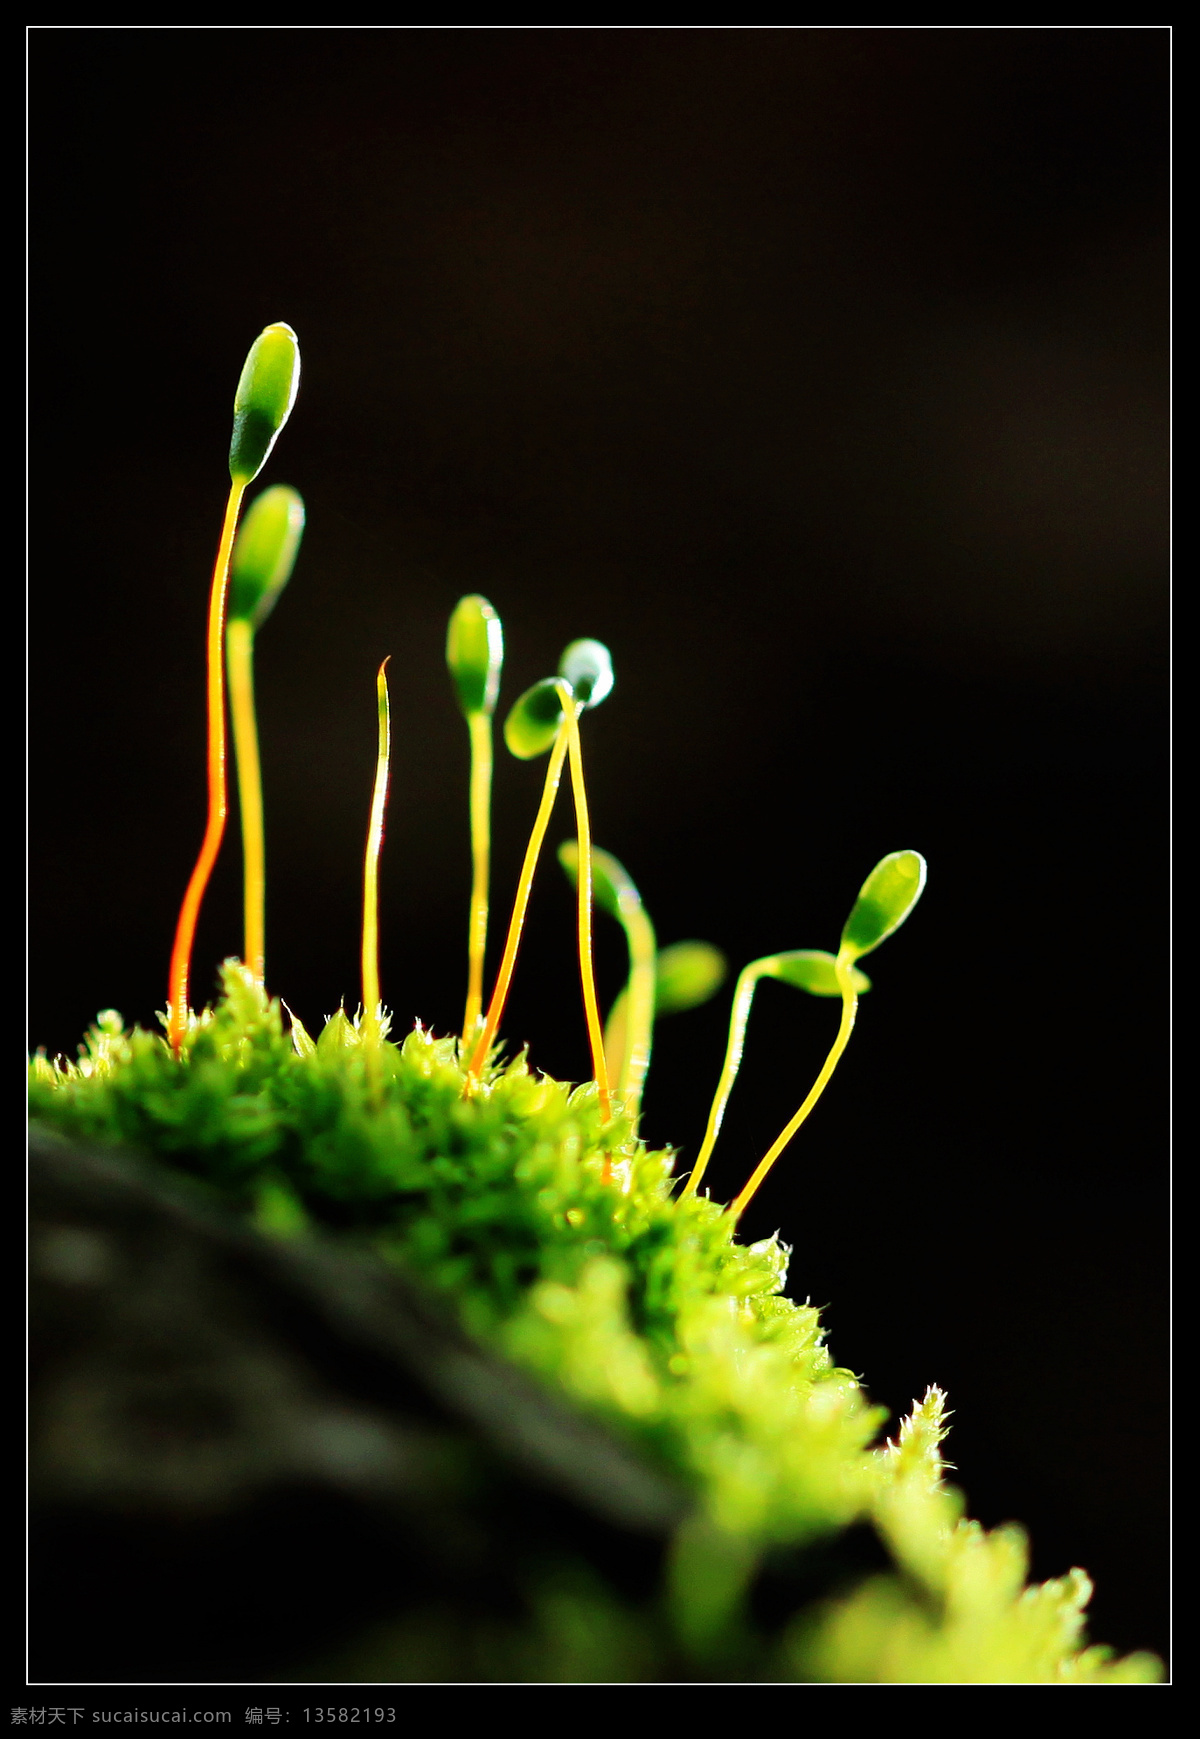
(570, 1251)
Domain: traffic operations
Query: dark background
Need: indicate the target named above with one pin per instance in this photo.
(821, 373)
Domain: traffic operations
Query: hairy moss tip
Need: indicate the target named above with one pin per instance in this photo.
(262, 404)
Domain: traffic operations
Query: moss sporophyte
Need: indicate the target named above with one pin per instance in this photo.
(536, 1213)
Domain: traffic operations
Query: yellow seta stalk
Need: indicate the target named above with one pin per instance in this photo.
(239, 657)
(480, 726)
(843, 967)
(584, 913)
(743, 996)
(372, 1017)
(630, 1024)
(558, 755)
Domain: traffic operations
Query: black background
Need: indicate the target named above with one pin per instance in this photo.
(821, 373)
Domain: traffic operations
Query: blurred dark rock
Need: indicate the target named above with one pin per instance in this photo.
(245, 1451)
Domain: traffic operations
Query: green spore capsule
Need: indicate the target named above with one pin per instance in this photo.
(475, 654)
(687, 974)
(884, 901)
(264, 554)
(587, 666)
(814, 970)
(265, 395)
(535, 718)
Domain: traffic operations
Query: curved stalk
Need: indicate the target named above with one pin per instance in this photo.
(845, 961)
(628, 1032)
(584, 913)
(189, 912)
(739, 1015)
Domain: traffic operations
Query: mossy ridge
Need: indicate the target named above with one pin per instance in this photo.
(636, 1302)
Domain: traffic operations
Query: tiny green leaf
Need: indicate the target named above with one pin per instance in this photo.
(687, 974)
(885, 899)
(533, 723)
(302, 1041)
(265, 395)
(475, 653)
(265, 553)
(587, 666)
(812, 969)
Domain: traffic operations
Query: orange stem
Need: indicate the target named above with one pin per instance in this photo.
(189, 912)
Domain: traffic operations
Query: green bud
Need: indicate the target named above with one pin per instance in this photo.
(812, 969)
(885, 899)
(687, 974)
(474, 653)
(264, 553)
(264, 399)
(533, 723)
(587, 666)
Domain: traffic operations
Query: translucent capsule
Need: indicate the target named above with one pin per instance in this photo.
(587, 666)
(264, 554)
(534, 720)
(265, 395)
(475, 654)
(885, 899)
